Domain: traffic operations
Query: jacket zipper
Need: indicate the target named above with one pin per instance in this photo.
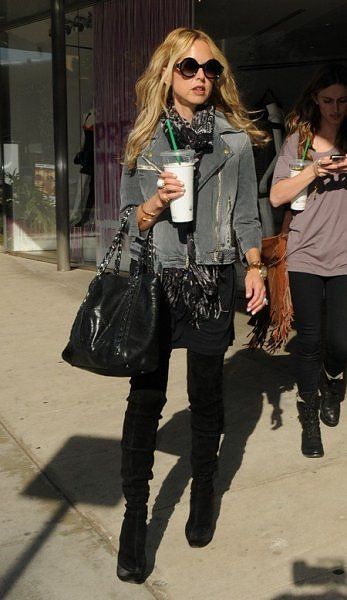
(218, 214)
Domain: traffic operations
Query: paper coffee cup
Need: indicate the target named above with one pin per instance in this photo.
(181, 163)
(299, 202)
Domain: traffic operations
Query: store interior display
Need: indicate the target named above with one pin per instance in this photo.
(272, 120)
(82, 211)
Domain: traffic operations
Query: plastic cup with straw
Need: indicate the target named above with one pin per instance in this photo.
(296, 166)
(181, 164)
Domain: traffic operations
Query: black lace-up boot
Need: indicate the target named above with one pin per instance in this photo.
(138, 445)
(205, 374)
(308, 408)
(332, 393)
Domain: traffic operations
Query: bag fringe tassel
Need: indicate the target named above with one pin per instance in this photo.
(271, 326)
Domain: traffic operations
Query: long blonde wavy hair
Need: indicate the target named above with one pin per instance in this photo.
(305, 117)
(154, 85)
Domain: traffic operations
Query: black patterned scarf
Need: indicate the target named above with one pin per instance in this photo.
(196, 286)
(198, 134)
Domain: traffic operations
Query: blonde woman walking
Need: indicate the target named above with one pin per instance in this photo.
(189, 81)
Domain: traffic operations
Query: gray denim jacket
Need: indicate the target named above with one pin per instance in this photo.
(225, 202)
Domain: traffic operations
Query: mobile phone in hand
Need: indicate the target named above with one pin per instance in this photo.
(337, 157)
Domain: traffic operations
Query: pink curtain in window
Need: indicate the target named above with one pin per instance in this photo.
(125, 34)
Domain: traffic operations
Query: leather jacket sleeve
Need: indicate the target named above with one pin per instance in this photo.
(131, 195)
(246, 214)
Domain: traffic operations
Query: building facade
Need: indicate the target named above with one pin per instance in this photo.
(68, 70)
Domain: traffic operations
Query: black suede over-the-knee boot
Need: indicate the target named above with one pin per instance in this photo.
(138, 445)
(205, 381)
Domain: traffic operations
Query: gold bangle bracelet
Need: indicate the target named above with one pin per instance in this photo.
(149, 214)
(255, 264)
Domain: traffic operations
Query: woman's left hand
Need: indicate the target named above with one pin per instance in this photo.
(255, 291)
(332, 167)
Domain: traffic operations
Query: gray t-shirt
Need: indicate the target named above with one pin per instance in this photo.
(317, 241)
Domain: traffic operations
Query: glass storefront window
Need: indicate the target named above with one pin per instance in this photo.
(28, 189)
(27, 132)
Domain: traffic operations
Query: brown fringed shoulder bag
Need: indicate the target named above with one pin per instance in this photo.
(271, 326)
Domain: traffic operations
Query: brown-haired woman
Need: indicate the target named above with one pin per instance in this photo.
(189, 81)
(317, 247)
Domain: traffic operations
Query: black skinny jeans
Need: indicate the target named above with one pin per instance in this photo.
(308, 292)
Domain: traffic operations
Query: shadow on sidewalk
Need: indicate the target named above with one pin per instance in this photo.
(86, 470)
(330, 573)
(329, 595)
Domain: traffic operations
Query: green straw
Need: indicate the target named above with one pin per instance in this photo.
(305, 150)
(171, 134)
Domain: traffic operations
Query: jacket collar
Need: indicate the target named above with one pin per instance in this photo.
(222, 125)
(210, 163)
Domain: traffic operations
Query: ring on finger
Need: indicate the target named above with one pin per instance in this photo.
(160, 183)
(265, 301)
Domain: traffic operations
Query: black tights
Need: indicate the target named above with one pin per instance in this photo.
(308, 292)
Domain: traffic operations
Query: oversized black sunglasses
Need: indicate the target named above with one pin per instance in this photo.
(189, 67)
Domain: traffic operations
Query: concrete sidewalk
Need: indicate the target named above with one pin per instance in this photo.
(282, 527)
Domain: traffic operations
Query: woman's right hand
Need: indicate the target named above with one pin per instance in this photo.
(172, 189)
(318, 167)
(149, 211)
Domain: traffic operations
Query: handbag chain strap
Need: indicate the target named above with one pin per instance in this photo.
(145, 261)
(116, 245)
(146, 257)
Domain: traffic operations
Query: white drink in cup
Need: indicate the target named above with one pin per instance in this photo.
(181, 163)
(296, 166)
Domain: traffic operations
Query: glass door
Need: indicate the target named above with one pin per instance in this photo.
(79, 73)
(28, 187)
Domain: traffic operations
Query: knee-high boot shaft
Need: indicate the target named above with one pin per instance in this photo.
(205, 393)
(205, 383)
(138, 446)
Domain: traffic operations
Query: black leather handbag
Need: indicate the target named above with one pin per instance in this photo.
(115, 331)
